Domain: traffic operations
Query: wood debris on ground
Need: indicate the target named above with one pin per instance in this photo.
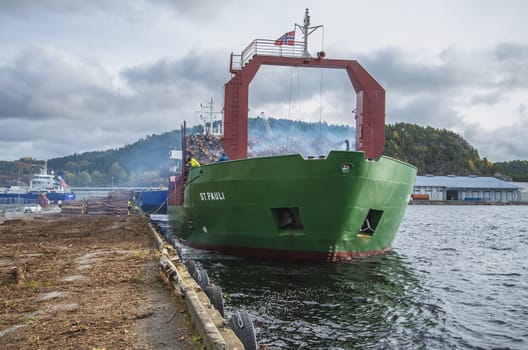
(87, 282)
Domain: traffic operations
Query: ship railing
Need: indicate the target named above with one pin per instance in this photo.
(265, 47)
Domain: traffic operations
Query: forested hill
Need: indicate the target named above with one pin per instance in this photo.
(434, 151)
(146, 163)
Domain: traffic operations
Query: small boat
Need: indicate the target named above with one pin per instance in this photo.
(347, 204)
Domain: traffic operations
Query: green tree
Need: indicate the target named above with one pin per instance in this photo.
(118, 173)
(70, 166)
(98, 179)
(70, 178)
(84, 179)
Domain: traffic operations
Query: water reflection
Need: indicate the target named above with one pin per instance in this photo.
(308, 305)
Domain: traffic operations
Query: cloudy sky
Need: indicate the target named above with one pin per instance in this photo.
(81, 75)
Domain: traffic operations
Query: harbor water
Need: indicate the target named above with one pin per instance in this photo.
(457, 278)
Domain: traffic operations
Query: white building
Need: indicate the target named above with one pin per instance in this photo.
(465, 188)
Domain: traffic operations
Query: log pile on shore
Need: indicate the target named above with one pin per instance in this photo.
(116, 203)
(73, 207)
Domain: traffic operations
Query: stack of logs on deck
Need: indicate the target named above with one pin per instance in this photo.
(206, 148)
(116, 203)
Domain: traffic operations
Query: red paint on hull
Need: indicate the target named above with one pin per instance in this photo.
(290, 255)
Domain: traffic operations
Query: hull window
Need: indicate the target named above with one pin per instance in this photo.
(371, 222)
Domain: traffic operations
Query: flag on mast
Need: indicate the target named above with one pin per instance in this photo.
(287, 39)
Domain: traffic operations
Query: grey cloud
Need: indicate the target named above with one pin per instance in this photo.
(424, 109)
(44, 83)
(523, 112)
(511, 52)
(57, 99)
(196, 9)
(207, 68)
(171, 87)
(296, 85)
(46, 138)
(503, 144)
(425, 86)
(208, 12)
(487, 98)
(395, 70)
(132, 10)
(427, 94)
(30, 7)
(417, 93)
(272, 84)
(453, 72)
(47, 84)
(511, 65)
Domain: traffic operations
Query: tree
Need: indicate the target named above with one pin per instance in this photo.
(98, 179)
(84, 179)
(118, 173)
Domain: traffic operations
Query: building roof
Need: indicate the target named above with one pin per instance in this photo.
(452, 181)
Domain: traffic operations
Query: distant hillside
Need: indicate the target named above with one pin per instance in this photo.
(434, 151)
(18, 173)
(146, 163)
(517, 169)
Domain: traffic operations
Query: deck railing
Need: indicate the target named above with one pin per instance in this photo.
(265, 47)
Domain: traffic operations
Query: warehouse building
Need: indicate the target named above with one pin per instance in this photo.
(524, 191)
(465, 188)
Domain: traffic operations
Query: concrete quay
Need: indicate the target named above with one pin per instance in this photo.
(77, 281)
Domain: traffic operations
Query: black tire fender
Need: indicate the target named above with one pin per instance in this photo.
(191, 266)
(240, 322)
(215, 296)
(201, 277)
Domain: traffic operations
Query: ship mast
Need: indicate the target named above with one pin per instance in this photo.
(307, 30)
(208, 116)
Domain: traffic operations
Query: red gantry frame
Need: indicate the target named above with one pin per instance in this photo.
(370, 99)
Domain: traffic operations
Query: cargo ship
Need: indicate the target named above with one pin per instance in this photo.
(345, 205)
(42, 187)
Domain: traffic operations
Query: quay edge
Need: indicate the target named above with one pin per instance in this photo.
(206, 319)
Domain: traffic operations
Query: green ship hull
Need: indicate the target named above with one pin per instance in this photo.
(340, 207)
